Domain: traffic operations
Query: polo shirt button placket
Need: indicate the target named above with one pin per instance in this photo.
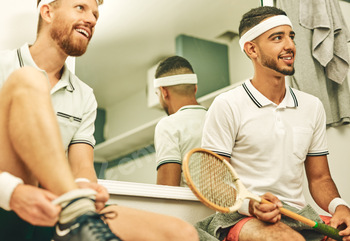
(278, 118)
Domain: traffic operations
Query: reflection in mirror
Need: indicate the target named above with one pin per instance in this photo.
(130, 39)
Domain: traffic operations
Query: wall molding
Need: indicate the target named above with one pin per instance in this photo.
(148, 190)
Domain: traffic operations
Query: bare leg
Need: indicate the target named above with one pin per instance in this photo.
(132, 224)
(257, 230)
(31, 146)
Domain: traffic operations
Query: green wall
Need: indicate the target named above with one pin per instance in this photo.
(99, 137)
(209, 61)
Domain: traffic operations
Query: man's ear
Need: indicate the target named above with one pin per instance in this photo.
(250, 49)
(46, 13)
(196, 88)
(164, 91)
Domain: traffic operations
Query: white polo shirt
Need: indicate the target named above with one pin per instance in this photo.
(73, 101)
(177, 134)
(267, 143)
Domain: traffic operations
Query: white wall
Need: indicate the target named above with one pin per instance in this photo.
(141, 170)
(241, 67)
(129, 114)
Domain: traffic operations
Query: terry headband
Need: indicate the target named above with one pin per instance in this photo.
(262, 27)
(42, 2)
(176, 80)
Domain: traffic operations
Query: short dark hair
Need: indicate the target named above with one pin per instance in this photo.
(172, 66)
(256, 15)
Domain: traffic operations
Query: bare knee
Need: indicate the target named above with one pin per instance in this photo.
(293, 235)
(257, 230)
(27, 78)
(151, 226)
(286, 233)
(183, 231)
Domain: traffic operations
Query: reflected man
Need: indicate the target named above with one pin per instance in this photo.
(181, 131)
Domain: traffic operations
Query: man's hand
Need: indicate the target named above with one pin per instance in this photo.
(341, 218)
(266, 212)
(33, 204)
(102, 195)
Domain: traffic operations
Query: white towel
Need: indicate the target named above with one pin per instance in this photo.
(310, 75)
(330, 36)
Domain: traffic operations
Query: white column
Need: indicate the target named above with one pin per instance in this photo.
(268, 3)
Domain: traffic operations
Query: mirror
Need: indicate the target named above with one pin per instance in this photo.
(131, 37)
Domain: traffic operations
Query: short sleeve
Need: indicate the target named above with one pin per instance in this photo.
(166, 142)
(219, 130)
(318, 144)
(85, 132)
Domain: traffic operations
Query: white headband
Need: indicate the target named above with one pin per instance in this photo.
(42, 2)
(176, 80)
(262, 27)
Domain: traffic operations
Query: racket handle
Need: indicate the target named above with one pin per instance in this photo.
(298, 217)
(293, 215)
(320, 227)
(328, 231)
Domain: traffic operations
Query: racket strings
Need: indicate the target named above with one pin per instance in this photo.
(212, 178)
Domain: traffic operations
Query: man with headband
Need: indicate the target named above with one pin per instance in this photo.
(181, 131)
(270, 132)
(47, 119)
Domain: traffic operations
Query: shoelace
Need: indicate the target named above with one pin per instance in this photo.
(98, 227)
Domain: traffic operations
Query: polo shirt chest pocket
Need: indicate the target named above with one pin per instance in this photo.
(69, 125)
(301, 141)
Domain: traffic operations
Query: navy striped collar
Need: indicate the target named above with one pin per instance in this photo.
(25, 59)
(290, 100)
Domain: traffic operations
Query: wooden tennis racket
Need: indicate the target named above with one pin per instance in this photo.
(216, 184)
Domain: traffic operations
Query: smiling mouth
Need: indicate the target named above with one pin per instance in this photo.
(289, 60)
(83, 32)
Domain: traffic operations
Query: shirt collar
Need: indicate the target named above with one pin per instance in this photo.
(65, 81)
(186, 107)
(290, 100)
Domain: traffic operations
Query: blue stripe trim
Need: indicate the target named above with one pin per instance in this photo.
(223, 154)
(194, 108)
(71, 86)
(318, 153)
(294, 97)
(81, 142)
(168, 161)
(251, 96)
(69, 116)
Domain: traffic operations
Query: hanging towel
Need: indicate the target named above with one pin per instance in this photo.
(330, 36)
(310, 76)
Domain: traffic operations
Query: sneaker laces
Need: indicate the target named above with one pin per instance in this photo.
(97, 225)
(108, 215)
